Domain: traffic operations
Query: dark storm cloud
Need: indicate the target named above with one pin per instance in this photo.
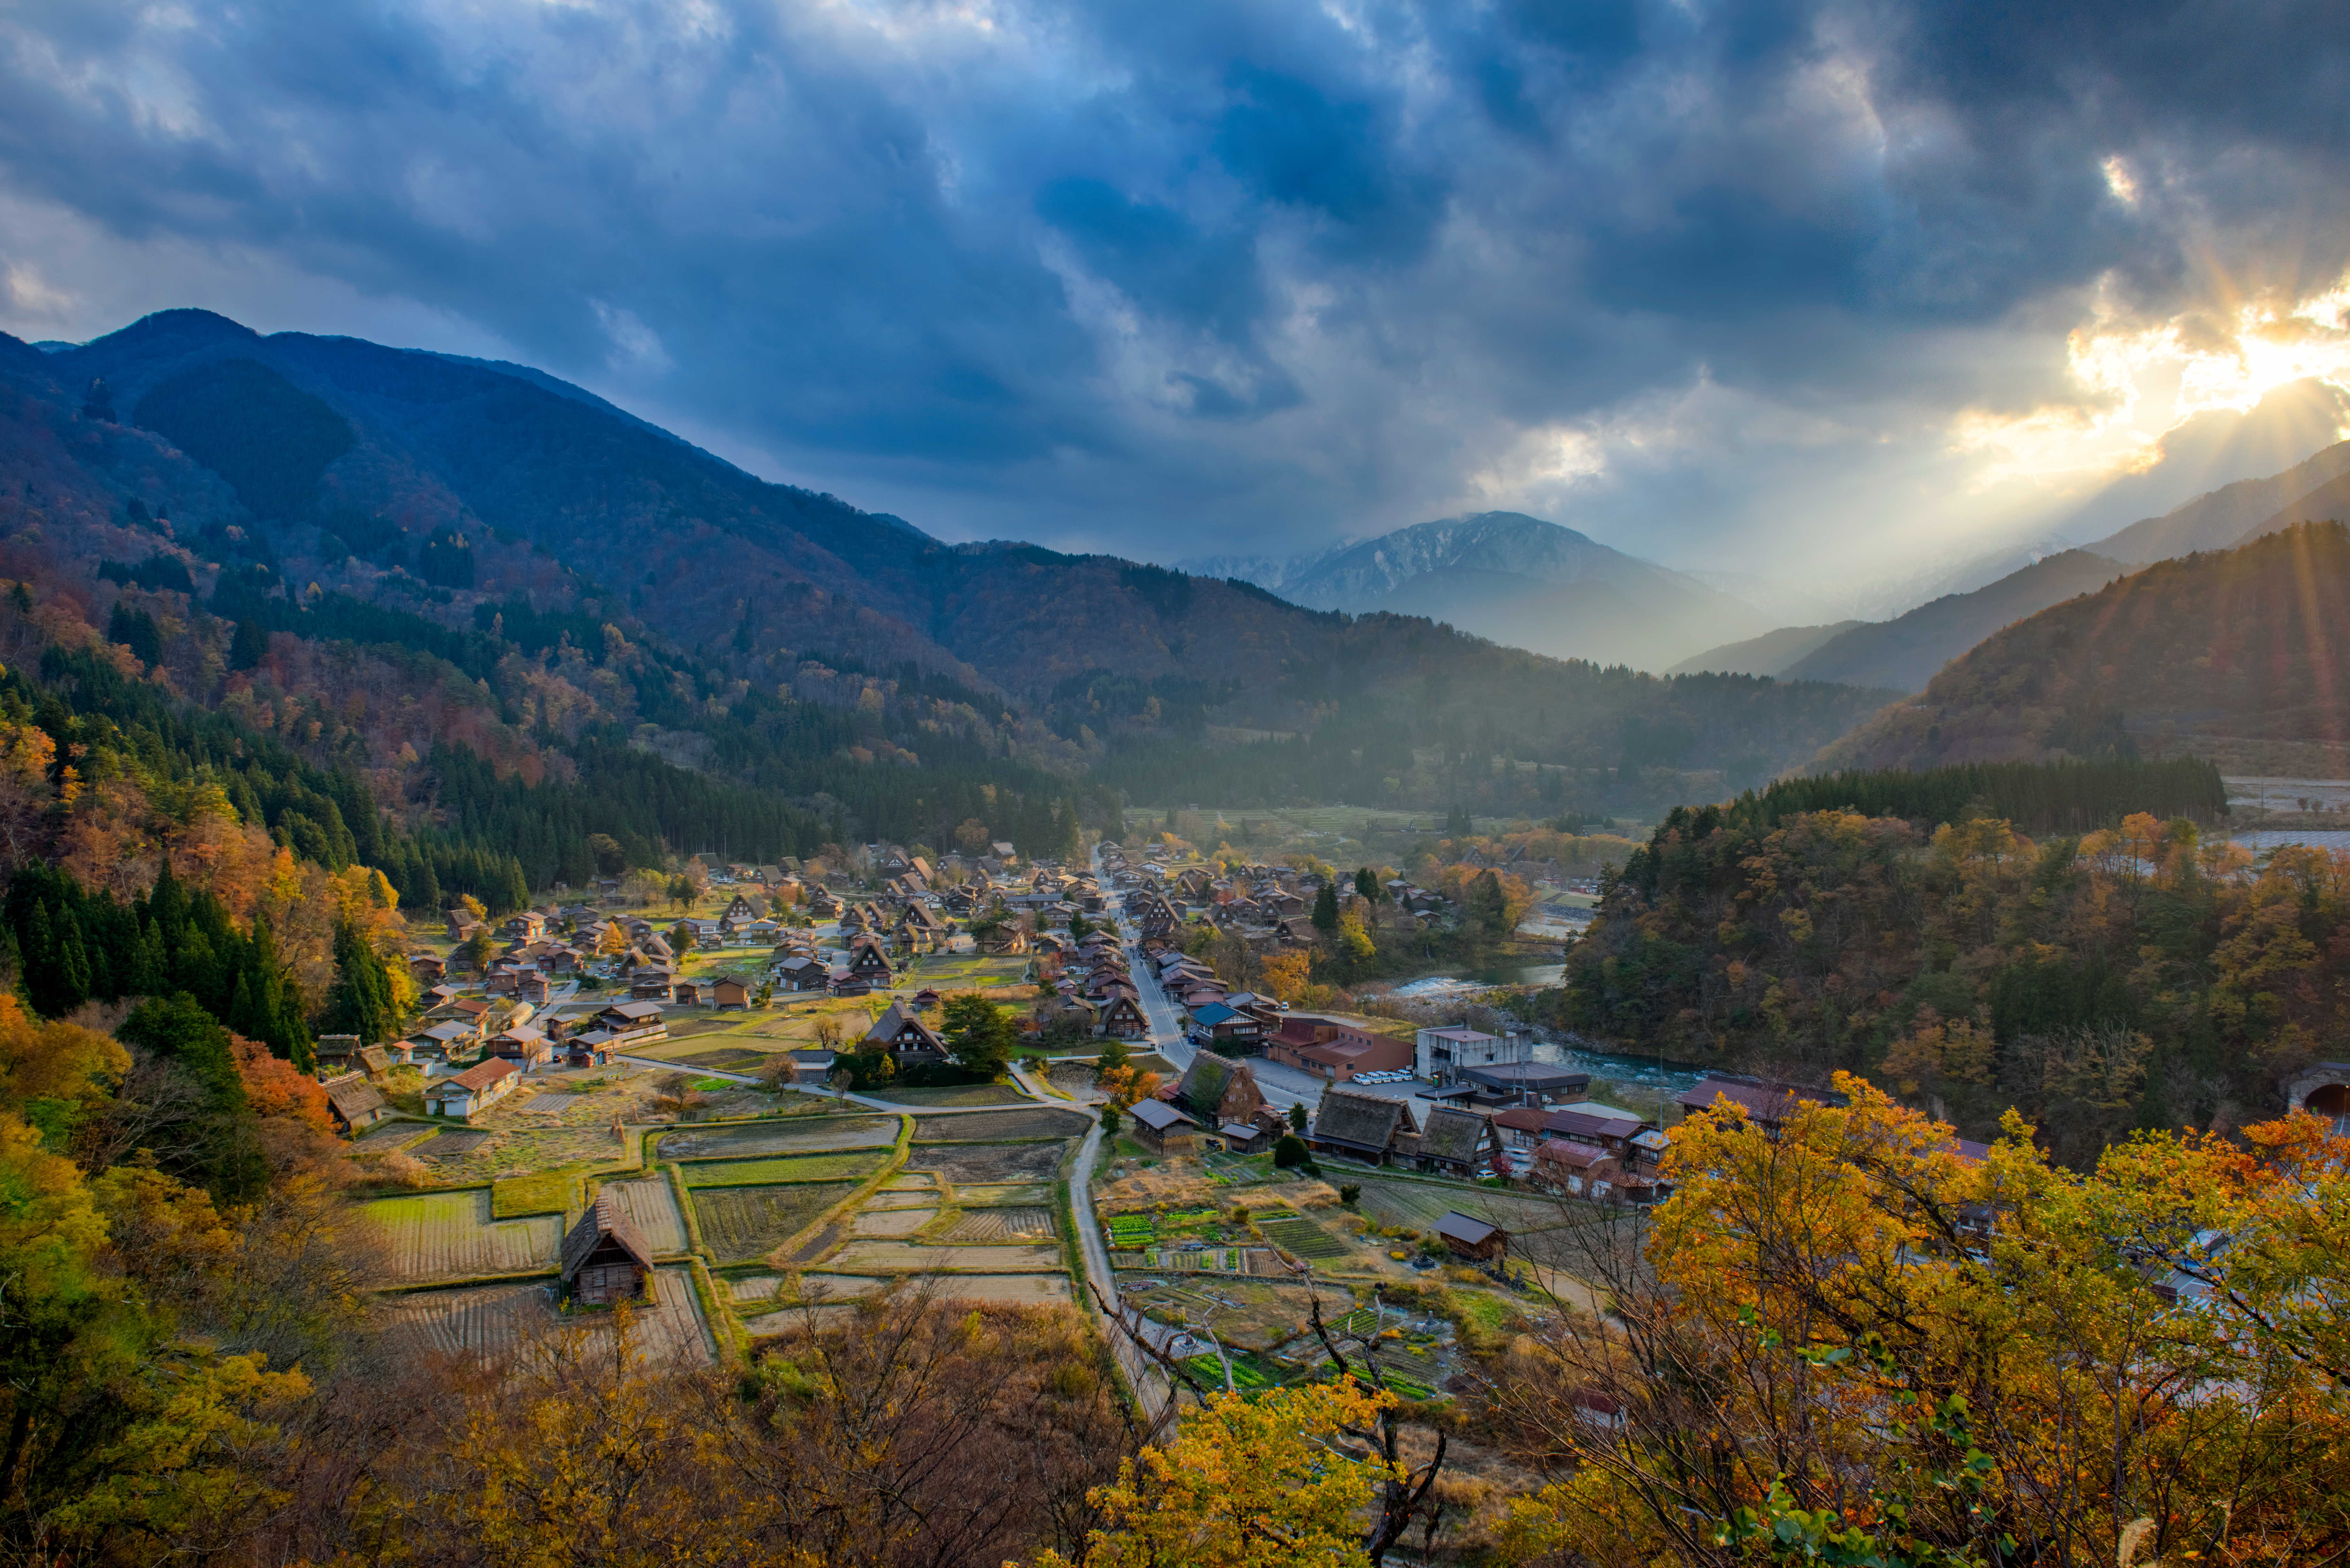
(1248, 273)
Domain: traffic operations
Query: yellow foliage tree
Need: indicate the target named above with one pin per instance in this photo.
(1249, 1482)
(1286, 975)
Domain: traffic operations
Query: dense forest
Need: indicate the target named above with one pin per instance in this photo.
(2237, 645)
(2131, 976)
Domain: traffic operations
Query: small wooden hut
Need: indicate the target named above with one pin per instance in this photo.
(605, 1259)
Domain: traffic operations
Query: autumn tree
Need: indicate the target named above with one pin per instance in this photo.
(1286, 975)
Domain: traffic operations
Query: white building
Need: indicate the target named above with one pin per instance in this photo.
(1442, 1053)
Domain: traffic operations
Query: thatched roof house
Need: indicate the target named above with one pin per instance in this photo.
(605, 1257)
(1363, 1127)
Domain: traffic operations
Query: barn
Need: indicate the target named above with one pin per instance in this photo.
(605, 1259)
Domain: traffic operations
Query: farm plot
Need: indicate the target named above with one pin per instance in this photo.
(768, 1172)
(451, 1235)
(651, 1206)
(1014, 1290)
(741, 1224)
(1002, 1225)
(798, 1135)
(1015, 1193)
(489, 1319)
(1418, 1205)
(988, 1126)
(519, 1151)
(1306, 1240)
(895, 1222)
(447, 1145)
(960, 1095)
(906, 1257)
(384, 1137)
(989, 1162)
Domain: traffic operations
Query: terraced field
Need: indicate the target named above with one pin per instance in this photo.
(980, 1127)
(989, 1163)
(799, 1134)
(768, 1172)
(451, 1235)
(496, 1319)
(741, 1224)
(651, 1204)
(1004, 1225)
(1418, 1205)
(906, 1257)
(892, 1221)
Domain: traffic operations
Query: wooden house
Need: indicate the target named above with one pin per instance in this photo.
(730, 990)
(1162, 1129)
(1217, 1089)
(605, 1257)
(427, 968)
(1473, 1240)
(869, 963)
(1363, 1127)
(801, 973)
(906, 1036)
(354, 1103)
(525, 1044)
(1459, 1143)
(1122, 1015)
(468, 1093)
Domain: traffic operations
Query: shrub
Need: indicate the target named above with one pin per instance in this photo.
(1350, 1192)
(1289, 1153)
(1109, 1121)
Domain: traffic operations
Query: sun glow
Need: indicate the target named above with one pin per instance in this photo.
(2140, 381)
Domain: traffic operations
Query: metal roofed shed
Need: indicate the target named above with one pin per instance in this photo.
(1473, 1239)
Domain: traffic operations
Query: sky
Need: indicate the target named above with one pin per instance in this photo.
(1819, 286)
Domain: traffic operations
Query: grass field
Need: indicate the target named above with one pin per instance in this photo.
(767, 1172)
(801, 1135)
(1418, 1206)
(451, 1235)
(957, 1096)
(652, 1206)
(1007, 1126)
(548, 1192)
(739, 1224)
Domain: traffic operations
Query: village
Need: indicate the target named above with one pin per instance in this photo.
(748, 1107)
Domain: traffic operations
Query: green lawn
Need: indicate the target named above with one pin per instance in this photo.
(767, 1172)
(545, 1192)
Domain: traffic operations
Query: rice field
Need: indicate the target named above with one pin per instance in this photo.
(769, 1172)
(1004, 1225)
(989, 1163)
(651, 1206)
(891, 1221)
(986, 1127)
(496, 1320)
(453, 1235)
(910, 1258)
(741, 1224)
(1014, 1192)
(799, 1134)
(1418, 1205)
(956, 1094)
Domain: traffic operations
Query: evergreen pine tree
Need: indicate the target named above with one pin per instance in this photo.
(361, 1003)
(241, 1016)
(1326, 908)
(39, 944)
(73, 964)
(147, 966)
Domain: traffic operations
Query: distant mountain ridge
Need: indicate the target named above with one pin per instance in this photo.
(1522, 581)
(1770, 654)
(2240, 644)
(1906, 651)
(2219, 519)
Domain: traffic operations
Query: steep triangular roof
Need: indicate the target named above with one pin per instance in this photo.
(1361, 1121)
(1454, 1134)
(604, 1217)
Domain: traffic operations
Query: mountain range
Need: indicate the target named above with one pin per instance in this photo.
(1519, 580)
(557, 569)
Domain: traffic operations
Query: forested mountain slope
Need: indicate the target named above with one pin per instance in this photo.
(1904, 652)
(2245, 643)
(522, 519)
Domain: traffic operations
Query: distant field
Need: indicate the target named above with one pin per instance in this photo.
(1419, 1207)
(1004, 1225)
(549, 1192)
(1041, 1122)
(766, 1172)
(801, 1134)
(959, 1096)
(496, 1320)
(908, 1257)
(739, 1224)
(451, 1235)
(983, 1162)
(652, 1206)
